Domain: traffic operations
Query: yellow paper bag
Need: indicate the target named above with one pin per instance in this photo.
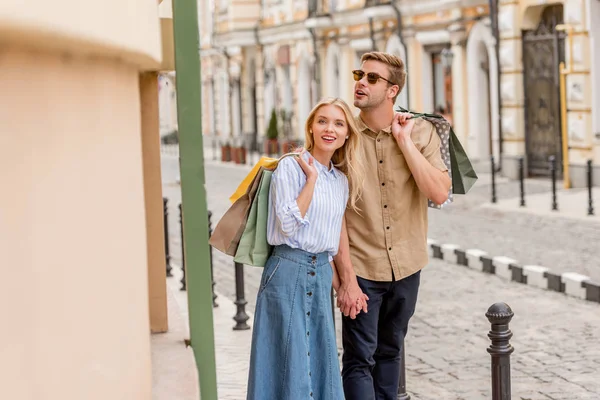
(267, 163)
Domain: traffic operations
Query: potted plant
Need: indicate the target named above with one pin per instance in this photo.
(226, 152)
(272, 144)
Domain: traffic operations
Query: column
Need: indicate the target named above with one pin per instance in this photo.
(157, 288)
(458, 38)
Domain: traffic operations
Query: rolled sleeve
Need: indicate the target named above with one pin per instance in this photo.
(286, 184)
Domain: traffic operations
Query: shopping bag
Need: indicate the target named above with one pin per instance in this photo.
(464, 176)
(226, 235)
(265, 162)
(254, 248)
(454, 157)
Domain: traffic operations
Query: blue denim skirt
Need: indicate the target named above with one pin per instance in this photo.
(294, 352)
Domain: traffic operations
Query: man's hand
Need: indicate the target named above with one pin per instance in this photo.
(351, 300)
(402, 126)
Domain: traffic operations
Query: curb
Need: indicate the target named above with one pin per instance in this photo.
(569, 283)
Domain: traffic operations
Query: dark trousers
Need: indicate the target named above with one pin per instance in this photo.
(373, 341)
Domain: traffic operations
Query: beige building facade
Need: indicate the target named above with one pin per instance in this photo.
(285, 55)
(81, 234)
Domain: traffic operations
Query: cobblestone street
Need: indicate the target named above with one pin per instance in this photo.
(556, 338)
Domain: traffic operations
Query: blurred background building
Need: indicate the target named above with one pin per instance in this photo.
(260, 56)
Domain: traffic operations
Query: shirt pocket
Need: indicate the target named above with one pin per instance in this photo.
(398, 165)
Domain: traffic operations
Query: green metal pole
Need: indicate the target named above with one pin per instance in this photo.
(193, 193)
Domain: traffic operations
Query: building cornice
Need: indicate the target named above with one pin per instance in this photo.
(284, 32)
(236, 38)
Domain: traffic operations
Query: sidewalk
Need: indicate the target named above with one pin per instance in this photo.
(557, 354)
(174, 369)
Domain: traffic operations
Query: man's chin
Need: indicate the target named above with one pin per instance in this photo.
(358, 103)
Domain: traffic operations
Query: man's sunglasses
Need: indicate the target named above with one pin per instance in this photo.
(372, 77)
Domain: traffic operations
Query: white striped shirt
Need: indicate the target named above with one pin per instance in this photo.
(320, 228)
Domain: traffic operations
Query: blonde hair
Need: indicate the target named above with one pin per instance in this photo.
(395, 67)
(348, 158)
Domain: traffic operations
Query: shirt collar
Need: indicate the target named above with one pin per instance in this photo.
(364, 127)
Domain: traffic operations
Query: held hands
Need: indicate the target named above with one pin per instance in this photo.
(310, 170)
(402, 126)
(351, 300)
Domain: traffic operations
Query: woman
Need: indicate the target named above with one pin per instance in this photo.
(294, 351)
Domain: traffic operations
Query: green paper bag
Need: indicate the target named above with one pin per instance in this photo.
(254, 248)
(463, 174)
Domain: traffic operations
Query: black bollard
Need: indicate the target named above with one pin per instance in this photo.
(240, 317)
(183, 280)
(499, 315)
(589, 182)
(166, 229)
(552, 161)
(402, 395)
(212, 278)
(522, 180)
(214, 147)
(493, 179)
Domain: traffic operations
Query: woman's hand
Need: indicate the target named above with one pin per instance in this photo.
(310, 170)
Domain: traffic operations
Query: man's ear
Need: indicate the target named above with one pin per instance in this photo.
(393, 91)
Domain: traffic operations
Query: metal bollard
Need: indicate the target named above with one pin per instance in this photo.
(214, 148)
(210, 249)
(499, 315)
(589, 182)
(183, 280)
(493, 180)
(240, 317)
(166, 233)
(522, 180)
(552, 161)
(402, 395)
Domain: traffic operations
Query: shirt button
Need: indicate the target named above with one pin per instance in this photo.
(309, 293)
(380, 161)
(309, 353)
(307, 333)
(311, 394)
(312, 273)
(385, 206)
(308, 313)
(387, 227)
(389, 248)
(382, 184)
(379, 140)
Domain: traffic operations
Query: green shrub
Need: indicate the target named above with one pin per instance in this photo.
(272, 132)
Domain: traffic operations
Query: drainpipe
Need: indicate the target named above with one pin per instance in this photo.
(317, 74)
(493, 6)
(255, 116)
(372, 34)
(399, 33)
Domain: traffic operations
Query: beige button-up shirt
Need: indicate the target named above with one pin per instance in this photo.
(388, 238)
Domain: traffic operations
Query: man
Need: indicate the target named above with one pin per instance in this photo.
(384, 247)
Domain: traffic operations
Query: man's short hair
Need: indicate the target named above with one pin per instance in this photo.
(395, 67)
